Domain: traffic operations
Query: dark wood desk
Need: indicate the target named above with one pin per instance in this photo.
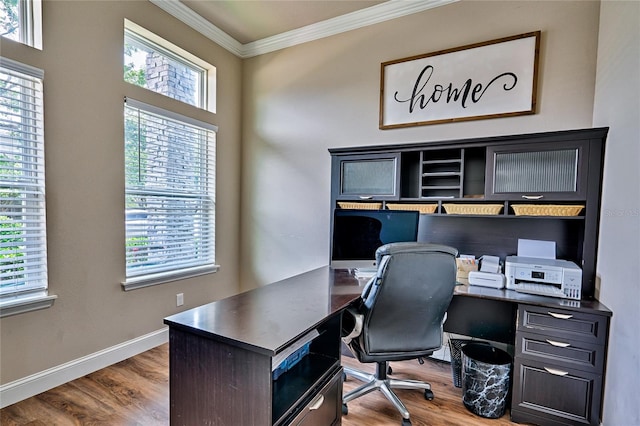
(220, 353)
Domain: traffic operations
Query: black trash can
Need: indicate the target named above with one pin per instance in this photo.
(455, 346)
(455, 349)
(485, 379)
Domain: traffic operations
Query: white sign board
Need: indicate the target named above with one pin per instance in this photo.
(484, 80)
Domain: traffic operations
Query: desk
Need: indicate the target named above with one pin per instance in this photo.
(220, 353)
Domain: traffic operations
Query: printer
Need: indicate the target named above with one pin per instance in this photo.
(524, 272)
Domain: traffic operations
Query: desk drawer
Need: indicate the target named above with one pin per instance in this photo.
(559, 395)
(563, 324)
(566, 352)
(325, 409)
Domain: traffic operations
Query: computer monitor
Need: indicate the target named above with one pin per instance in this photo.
(357, 234)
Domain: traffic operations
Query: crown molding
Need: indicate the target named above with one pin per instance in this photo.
(372, 15)
(391, 9)
(178, 10)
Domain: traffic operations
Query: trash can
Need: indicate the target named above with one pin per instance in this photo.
(485, 379)
(455, 349)
(455, 346)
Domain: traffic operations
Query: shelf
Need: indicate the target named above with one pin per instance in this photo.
(454, 160)
(432, 187)
(441, 174)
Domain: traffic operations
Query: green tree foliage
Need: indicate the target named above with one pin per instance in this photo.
(12, 242)
(131, 74)
(10, 23)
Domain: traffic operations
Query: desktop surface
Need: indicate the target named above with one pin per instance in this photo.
(513, 296)
(269, 318)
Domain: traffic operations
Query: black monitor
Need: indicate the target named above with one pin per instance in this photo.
(358, 233)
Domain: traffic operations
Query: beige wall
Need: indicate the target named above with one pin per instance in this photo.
(303, 100)
(617, 105)
(82, 59)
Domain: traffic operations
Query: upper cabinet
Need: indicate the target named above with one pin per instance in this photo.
(537, 168)
(537, 171)
(368, 176)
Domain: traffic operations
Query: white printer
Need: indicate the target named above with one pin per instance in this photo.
(548, 277)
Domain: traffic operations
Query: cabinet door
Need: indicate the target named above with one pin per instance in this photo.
(368, 177)
(537, 171)
(558, 394)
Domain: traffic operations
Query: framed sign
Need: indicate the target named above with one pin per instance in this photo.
(496, 78)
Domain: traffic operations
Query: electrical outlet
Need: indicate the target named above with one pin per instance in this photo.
(179, 299)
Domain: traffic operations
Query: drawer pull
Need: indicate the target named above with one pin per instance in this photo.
(317, 403)
(532, 197)
(558, 344)
(560, 316)
(556, 372)
(365, 197)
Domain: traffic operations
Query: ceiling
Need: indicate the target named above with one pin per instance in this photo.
(251, 20)
(254, 27)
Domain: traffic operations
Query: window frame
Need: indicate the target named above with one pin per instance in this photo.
(134, 279)
(31, 187)
(208, 80)
(30, 23)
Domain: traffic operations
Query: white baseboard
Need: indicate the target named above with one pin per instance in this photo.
(34, 384)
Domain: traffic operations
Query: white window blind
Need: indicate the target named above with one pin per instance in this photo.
(170, 193)
(23, 244)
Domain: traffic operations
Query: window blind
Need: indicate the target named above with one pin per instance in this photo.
(170, 192)
(23, 244)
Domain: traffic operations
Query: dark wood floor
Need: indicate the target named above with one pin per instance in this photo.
(136, 392)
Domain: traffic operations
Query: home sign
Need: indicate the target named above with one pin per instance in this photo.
(491, 79)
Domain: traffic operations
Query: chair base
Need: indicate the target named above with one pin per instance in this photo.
(380, 381)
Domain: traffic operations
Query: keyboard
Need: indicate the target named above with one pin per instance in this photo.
(365, 273)
(539, 289)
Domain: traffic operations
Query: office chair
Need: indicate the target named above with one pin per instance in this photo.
(400, 316)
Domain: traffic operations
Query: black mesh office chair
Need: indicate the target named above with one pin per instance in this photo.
(400, 316)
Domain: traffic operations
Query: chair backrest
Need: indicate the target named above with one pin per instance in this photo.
(405, 307)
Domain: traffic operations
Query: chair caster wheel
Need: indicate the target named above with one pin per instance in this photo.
(344, 377)
(389, 370)
(406, 422)
(345, 410)
(428, 395)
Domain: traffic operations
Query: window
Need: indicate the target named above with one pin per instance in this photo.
(160, 66)
(21, 20)
(23, 243)
(170, 195)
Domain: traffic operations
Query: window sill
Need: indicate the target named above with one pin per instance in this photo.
(165, 277)
(18, 304)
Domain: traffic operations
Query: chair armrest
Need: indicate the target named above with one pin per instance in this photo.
(357, 320)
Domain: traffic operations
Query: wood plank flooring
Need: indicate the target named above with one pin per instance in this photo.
(136, 392)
